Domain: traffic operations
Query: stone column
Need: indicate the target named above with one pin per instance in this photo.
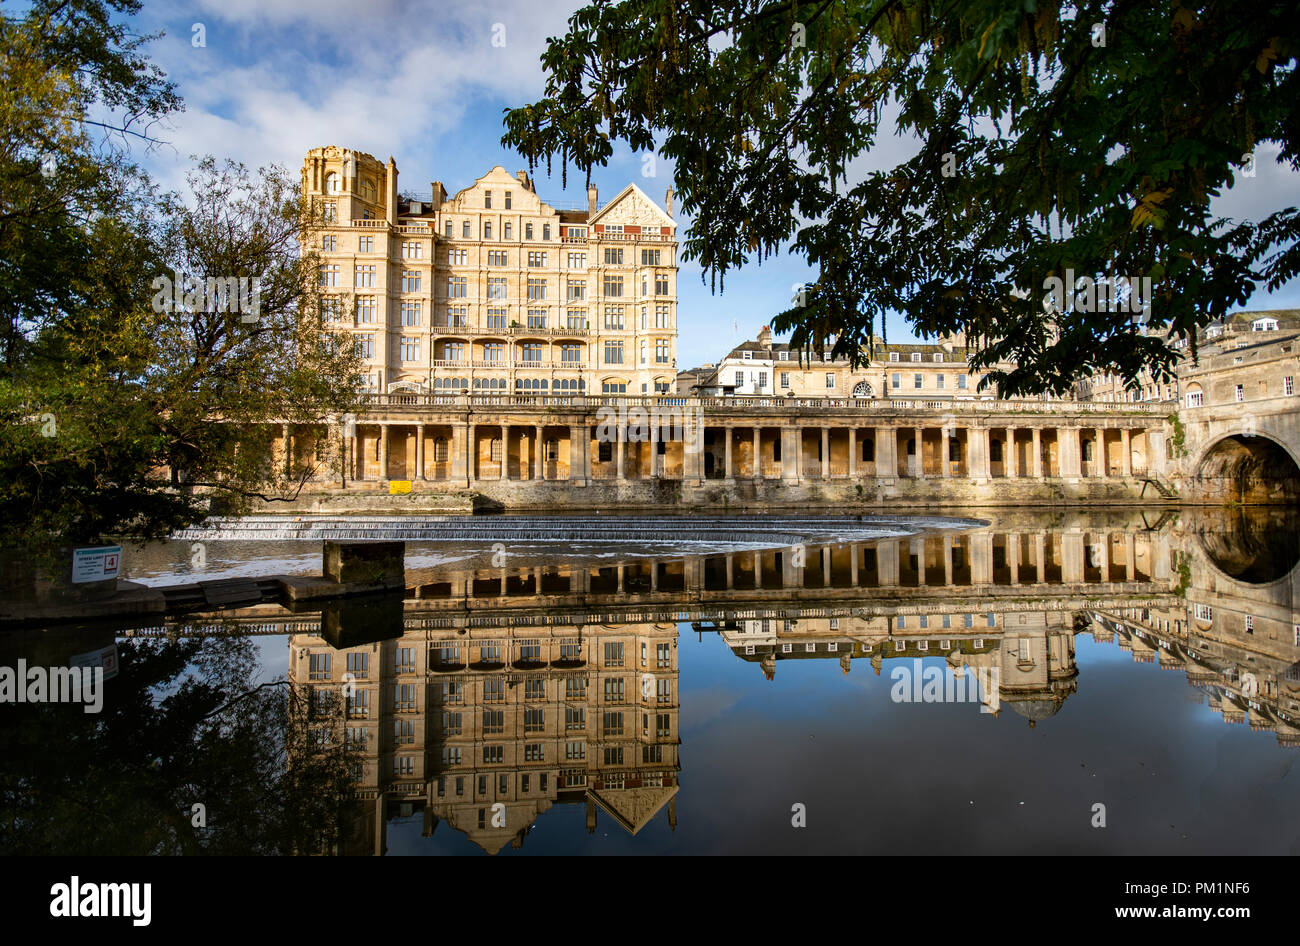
(947, 560)
(286, 441)
(693, 451)
(419, 452)
(1013, 556)
(504, 473)
(978, 445)
(1040, 556)
(1130, 557)
(826, 453)
(758, 453)
(1037, 462)
(791, 447)
(1072, 557)
(731, 571)
(730, 473)
(919, 469)
(383, 452)
(618, 454)
(1099, 453)
(853, 453)
(886, 453)
(945, 452)
(579, 447)
(656, 468)
(1071, 447)
(1126, 451)
(854, 551)
(1012, 464)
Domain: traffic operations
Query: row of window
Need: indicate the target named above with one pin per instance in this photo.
(1197, 398)
(896, 382)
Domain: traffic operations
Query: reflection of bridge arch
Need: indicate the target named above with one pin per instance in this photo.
(1249, 466)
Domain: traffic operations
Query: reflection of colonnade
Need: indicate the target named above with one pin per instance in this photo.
(487, 727)
(1013, 559)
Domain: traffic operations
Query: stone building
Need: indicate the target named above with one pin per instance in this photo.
(492, 290)
(763, 368)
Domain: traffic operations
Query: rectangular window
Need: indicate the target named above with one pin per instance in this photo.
(961, 382)
(496, 318)
(830, 380)
(577, 290)
(575, 750)
(613, 352)
(412, 250)
(613, 286)
(329, 274)
(896, 381)
(614, 318)
(614, 653)
(410, 348)
(662, 358)
(359, 665)
(611, 724)
(410, 313)
(1240, 392)
(533, 752)
(329, 244)
(536, 259)
(365, 276)
(318, 667)
(577, 261)
(537, 289)
(365, 244)
(528, 231)
(537, 318)
(530, 352)
(938, 381)
(497, 258)
(365, 345)
(916, 381)
(458, 257)
(613, 256)
(1288, 385)
(571, 354)
(650, 257)
(614, 690)
(457, 287)
(494, 754)
(661, 284)
(464, 230)
(487, 200)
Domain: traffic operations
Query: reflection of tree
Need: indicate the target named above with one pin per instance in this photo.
(183, 723)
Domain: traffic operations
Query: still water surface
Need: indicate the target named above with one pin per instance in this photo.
(980, 683)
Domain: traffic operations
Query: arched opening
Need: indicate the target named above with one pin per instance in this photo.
(1253, 545)
(862, 389)
(1251, 470)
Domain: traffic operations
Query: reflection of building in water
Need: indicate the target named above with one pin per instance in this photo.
(1232, 626)
(486, 726)
(1030, 654)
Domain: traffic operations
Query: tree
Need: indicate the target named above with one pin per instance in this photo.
(186, 721)
(1054, 140)
(133, 384)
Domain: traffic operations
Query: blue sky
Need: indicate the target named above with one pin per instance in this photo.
(422, 81)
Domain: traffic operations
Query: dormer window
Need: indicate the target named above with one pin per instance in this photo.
(916, 356)
(1264, 325)
(893, 356)
(747, 355)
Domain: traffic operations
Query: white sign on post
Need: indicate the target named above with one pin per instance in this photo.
(96, 564)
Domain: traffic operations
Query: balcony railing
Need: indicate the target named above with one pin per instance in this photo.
(937, 408)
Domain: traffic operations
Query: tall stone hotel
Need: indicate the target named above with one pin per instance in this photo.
(491, 290)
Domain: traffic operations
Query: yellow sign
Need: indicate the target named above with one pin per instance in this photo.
(398, 486)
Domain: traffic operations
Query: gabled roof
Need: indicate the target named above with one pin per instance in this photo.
(632, 192)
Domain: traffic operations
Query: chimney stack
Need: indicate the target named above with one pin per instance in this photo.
(591, 200)
(439, 194)
(390, 198)
(668, 200)
(523, 179)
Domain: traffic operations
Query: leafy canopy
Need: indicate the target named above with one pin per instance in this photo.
(1052, 137)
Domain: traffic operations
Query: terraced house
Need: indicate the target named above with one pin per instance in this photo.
(492, 290)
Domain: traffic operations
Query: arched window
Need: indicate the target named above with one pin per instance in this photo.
(862, 389)
(332, 183)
